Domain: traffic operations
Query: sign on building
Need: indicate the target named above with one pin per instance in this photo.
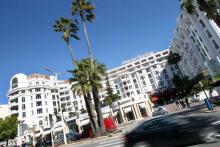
(213, 66)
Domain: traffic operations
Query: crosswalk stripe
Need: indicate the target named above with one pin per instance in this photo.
(110, 144)
(111, 141)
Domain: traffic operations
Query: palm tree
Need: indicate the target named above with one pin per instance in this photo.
(188, 5)
(69, 29)
(211, 7)
(84, 9)
(174, 59)
(81, 85)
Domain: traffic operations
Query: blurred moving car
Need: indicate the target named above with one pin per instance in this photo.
(160, 111)
(170, 131)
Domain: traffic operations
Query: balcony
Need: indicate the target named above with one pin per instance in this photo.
(14, 111)
(13, 104)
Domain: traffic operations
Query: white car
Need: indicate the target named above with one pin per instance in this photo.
(160, 111)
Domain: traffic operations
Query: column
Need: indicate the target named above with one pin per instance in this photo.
(138, 110)
(134, 113)
(122, 114)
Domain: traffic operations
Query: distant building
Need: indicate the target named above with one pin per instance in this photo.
(197, 39)
(4, 112)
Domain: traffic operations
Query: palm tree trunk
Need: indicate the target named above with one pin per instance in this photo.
(87, 42)
(71, 54)
(91, 113)
(98, 108)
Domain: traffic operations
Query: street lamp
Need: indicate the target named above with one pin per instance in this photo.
(62, 118)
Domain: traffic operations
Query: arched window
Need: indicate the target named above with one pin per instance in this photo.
(14, 83)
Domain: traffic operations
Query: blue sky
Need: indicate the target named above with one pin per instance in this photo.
(123, 29)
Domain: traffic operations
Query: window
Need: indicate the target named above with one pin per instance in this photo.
(23, 106)
(153, 86)
(23, 91)
(39, 111)
(39, 103)
(202, 23)
(54, 103)
(171, 68)
(149, 75)
(154, 66)
(144, 83)
(215, 44)
(23, 99)
(14, 83)
(37, 89)
(53, 96)
(40, 123)
(166, 76)
(150, 58)
(31, 105)
(134, 80)
(151, 80)
(136, 85)
(38, 96)
(31, 98)
(37, 82)
(32, 112)
(208, 34)
(23, 114)
(138, 92)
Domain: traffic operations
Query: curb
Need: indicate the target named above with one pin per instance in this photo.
(95, 139)
(208, 111)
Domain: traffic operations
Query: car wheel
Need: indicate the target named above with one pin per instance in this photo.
(142, 144)
(210, 136)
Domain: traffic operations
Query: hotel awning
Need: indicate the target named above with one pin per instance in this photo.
(142, 105)
(127, 109)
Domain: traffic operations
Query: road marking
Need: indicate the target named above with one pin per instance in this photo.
(110, 144)
(111, 141)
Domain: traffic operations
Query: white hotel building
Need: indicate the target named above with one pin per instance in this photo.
(33, 97)
(197, 39)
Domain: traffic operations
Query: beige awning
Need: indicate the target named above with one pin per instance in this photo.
(115, 113)
(84, 122)
(127, 109)
(106, 115)
(142, 105)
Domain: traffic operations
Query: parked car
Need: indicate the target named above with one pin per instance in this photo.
(160, 111)
(170, 131)
(72, 136)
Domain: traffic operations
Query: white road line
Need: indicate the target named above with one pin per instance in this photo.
(110, 144)
(104, 142)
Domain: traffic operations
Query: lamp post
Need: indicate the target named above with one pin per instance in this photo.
(61, 113)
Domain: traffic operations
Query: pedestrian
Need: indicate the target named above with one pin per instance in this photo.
(187, 102)
(178, 104)
(182, 104)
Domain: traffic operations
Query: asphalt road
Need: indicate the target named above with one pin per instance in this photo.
(117, 141)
